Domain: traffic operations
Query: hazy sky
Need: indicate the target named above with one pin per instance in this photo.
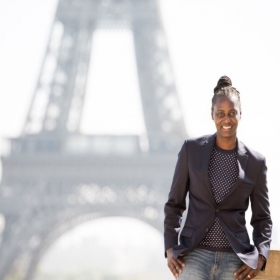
(206, 39)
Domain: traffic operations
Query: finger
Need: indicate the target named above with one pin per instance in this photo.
(178, 268)
(244, 274)
(241, 269)
(179, 264)
(182, 263)
(173, 271)
(174, 268)
(252, 274)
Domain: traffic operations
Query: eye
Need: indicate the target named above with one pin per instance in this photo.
(220, 114)
(232, 114)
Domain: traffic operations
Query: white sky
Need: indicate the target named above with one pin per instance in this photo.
(107, 113)
(206, 39)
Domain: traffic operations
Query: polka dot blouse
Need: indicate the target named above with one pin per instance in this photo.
(223, 172)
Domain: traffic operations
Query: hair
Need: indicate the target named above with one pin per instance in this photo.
(224, 88)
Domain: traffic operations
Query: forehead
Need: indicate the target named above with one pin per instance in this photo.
(224, 102)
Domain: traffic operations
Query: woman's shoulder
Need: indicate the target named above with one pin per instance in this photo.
(251, 152)
(201, 139)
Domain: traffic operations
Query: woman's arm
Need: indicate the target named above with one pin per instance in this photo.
(174, 208)
(261, 223)
(261, 219)
(176, 204)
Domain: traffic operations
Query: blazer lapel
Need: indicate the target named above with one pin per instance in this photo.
(205, 155)
(242, 159)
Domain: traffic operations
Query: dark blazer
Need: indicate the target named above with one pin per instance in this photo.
(191, 176)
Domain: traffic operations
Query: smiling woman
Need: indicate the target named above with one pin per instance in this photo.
(204, 38)
(215, 171)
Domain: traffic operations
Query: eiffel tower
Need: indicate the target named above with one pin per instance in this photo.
(56, 177)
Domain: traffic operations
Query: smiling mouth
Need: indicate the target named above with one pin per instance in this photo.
(226, 127)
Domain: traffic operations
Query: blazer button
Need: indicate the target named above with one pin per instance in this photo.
(217, 210)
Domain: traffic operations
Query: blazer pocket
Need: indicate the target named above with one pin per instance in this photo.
(187, 232)
(243, 236)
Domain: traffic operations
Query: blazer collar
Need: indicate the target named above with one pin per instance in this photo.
(208, 143)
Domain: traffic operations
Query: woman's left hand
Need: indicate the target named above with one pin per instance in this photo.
(246, 272)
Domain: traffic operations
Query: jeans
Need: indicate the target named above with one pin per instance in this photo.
(209, 265)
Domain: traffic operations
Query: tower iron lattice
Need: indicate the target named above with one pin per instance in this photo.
(55, 177)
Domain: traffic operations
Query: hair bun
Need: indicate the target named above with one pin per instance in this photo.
(224, 81)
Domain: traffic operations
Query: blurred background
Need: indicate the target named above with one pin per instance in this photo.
(96, 99)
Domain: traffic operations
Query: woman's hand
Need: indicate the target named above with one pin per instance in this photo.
(246, 272)
(175, 265)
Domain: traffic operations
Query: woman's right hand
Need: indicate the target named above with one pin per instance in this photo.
(175, 265)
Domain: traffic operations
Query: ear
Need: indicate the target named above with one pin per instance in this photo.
(212, 115)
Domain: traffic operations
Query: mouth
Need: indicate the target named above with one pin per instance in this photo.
(226, 127)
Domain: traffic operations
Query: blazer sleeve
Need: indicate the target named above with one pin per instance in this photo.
(261, 219)
(176, 204)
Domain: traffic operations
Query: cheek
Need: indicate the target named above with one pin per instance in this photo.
(236, 120)
(217, 121)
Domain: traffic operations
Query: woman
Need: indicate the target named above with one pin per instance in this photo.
(221, 175)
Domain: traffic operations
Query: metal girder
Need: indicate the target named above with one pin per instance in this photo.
(58, 100)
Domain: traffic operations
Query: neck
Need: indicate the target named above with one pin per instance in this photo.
(226, 143)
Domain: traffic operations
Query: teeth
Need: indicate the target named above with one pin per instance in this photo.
(226, 127)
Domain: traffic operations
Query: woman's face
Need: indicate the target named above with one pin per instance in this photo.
(226, 114)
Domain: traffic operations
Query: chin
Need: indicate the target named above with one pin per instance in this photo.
(228, 135)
